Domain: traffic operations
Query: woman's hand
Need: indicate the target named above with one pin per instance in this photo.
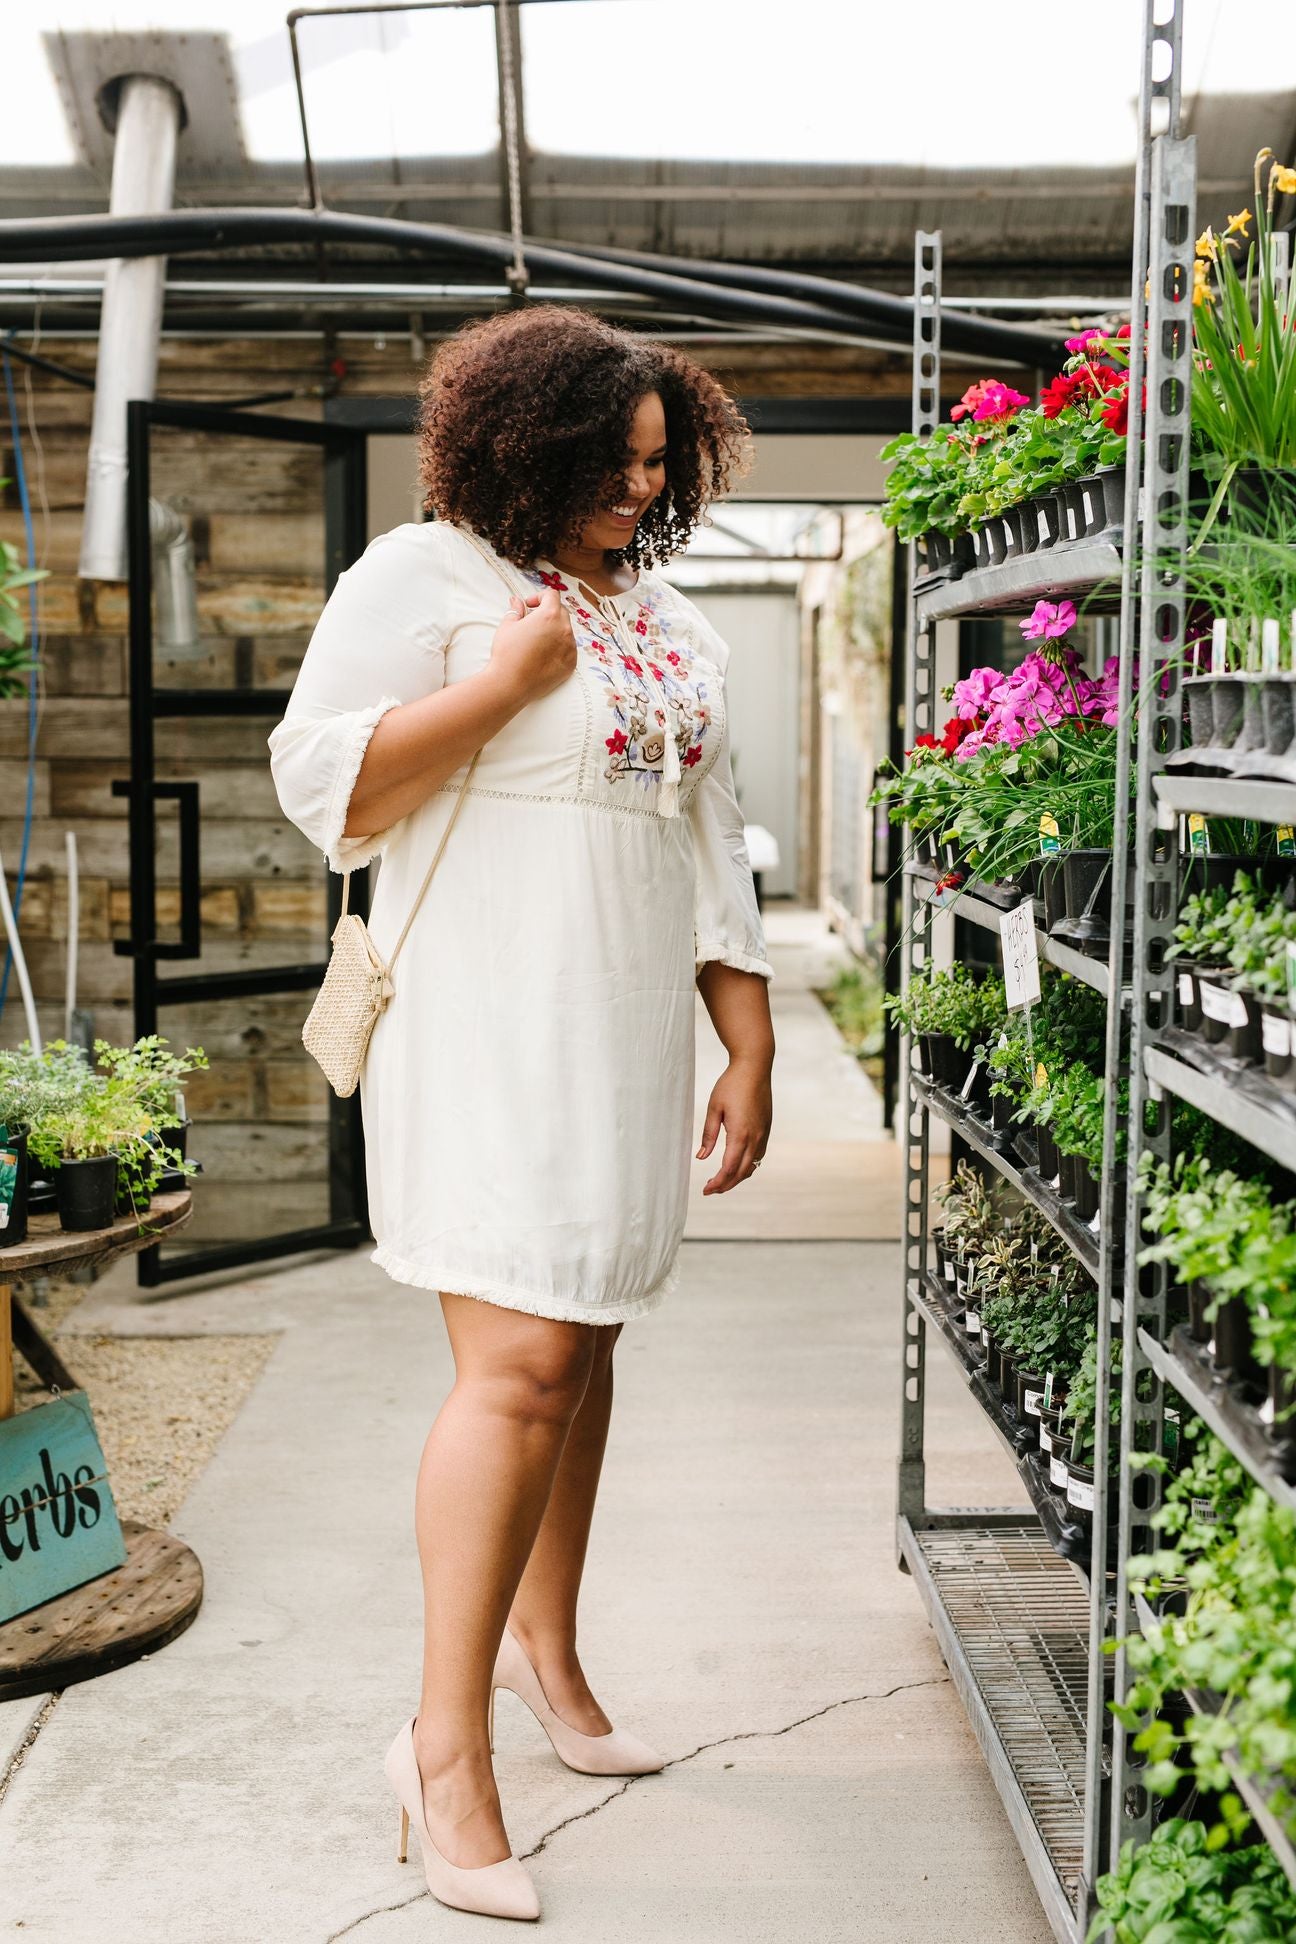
(742, 1102)
(534, 648)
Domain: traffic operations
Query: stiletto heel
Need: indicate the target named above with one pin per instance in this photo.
(490, 1722)
(615, 1753)
(402, 1843)
(502, 1889)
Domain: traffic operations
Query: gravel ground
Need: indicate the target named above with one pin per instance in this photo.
(161, 1404)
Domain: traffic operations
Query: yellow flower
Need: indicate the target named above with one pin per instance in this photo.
(1239, 224)
(1206, 246)
(1284, 179)
(1201, 283)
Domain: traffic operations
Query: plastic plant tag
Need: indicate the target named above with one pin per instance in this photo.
(1048, 1390)
(1269, 647)
(1020, 956)
(1219, 647)
(1033, 1400)
(972, 1321)
(1224, 1007)
(1285, 840)
(1275, 1036)
(1057, 1471)
(1080, 1493)
(1199, 835)
(965, 1090)
(1050, 837)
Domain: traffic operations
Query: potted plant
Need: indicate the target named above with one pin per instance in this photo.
(947, 1013)
(154, 1074)
(82, 1143)
(32, 1086)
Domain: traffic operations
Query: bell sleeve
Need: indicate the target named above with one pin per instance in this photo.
(727, 923)
(379, 642)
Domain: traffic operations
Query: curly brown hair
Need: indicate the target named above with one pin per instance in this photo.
(525, 427)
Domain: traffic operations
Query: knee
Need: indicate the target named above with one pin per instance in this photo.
(545, 1381)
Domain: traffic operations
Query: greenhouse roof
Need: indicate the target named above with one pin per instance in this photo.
(821, 134)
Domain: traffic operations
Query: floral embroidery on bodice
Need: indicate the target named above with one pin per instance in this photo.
(652, 683)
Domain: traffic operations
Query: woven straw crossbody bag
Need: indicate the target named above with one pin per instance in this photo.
(357, 986)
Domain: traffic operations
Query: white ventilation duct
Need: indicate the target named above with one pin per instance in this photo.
(149, 114)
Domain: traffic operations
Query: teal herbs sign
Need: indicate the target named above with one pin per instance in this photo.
(58, 1523)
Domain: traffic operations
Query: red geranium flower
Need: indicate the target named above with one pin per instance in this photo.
(925, 742)
(1115, 411)
(1059, 393)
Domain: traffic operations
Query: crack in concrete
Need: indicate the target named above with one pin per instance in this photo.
(676, 1761)
(745, 1734)
(28, 1741)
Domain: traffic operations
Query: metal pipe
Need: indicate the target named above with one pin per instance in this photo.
(706, 291)
(143, 184)
(174, 583)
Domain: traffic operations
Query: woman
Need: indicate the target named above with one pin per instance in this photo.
(528, 1093)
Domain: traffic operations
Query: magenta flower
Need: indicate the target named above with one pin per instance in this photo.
(1050, 621)
(974, 695)
(1085, 338)
(998, 401)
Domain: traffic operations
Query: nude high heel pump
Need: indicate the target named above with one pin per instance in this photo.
(501, 1889)
(615, 1753)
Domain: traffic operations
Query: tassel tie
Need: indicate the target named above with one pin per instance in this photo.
(668, 796)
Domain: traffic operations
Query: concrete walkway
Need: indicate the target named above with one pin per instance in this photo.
(743, 1611)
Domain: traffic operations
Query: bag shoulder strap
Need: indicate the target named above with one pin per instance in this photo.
(493, 560)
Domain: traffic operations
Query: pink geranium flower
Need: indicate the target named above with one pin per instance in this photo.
(1050, 620)
(998, 401)
(1082, 342)
(973, 695)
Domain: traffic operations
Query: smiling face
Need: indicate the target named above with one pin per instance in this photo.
(630, 496)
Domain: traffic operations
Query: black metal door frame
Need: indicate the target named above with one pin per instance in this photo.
(344, 450)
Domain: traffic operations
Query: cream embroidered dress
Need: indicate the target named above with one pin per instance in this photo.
(528, 1094)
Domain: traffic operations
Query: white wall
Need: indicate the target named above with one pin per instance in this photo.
(762, 629)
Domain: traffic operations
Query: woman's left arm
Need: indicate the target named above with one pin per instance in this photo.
(732, 968)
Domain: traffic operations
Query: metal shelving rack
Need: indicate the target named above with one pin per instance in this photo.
(1167, 1064)
(1021, 1626)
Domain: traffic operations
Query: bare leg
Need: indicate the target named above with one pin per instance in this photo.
(543, 1615)
(486, 1475)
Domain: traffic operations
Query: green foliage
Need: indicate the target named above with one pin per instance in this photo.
(989, 804)
(1184, 1887)
(953, 1001)
(1232, 1551)
(1214, 1226)
(1244, 379)
(14, 660)
(1081, 1409)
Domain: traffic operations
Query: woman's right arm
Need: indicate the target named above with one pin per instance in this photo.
(371, 729)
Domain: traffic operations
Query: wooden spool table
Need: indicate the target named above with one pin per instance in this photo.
(156, 1594)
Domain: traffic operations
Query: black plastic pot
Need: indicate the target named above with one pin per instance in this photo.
(1199, 1297)
(1216, 1004)
(1080, 1492)
(1231, 1347)
(1008, 1378)
(86, 1192)
(1067, 1166)
(977, 1096)
(1279, 717)
(1001, 1111)
(1276, 1043)
(1244, 1041)
(1086, 1192)
(1046, 1147)
(1086, 876)
(1052, 891)
(1282, 1409)
(15, 1228)
(1228, 706)
(1187, 996)
(1200, 695)
(1111, 483)
(941, 1059)
(1030, 1396)
(1014, 536)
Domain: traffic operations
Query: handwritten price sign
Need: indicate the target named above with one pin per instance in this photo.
(1020, 956)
